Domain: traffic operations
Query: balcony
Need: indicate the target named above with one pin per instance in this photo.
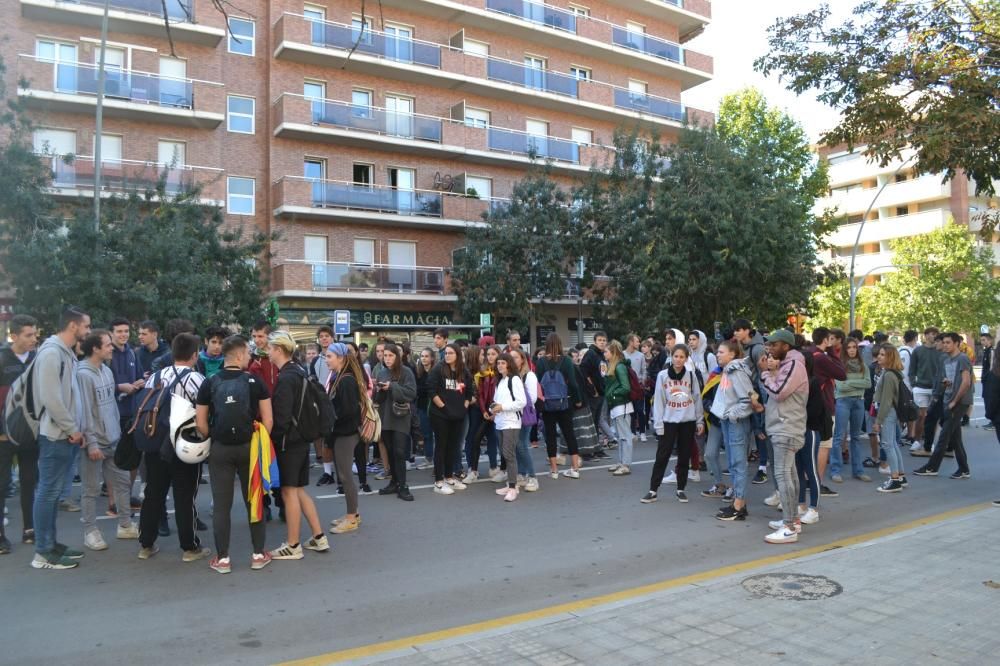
(648, 104)
(303, 40)
(75, 177)
(375, 43)
(888, 228)
(918, 190)
(72, 87)
(376, 120)
(647, 44)
(552, 17)
(298, 277)
(545, 147)
(690, 16)
(137, 17)
(354, 202)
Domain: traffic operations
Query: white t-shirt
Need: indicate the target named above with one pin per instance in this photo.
(904, 355)
(187, 387)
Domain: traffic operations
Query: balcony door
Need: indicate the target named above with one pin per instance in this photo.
(315, 172)
(64, 61)
(317, 21)
(402, 266)
(315, 255)
(534, 72)
(399, 116)
(170, 156)
(403, 182)
(315, 92)
(55, 145)
(174, 89)
(538, 136)
(399, 43)
(116, 82)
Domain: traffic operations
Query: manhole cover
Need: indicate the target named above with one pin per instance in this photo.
(794, 587)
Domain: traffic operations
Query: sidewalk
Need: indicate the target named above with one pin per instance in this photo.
(914, 597)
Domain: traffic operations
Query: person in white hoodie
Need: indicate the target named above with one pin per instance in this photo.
(677, 417)
(508, 402)
(101, 427)
(701, 356)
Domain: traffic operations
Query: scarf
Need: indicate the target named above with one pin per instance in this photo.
(263, 471)
(673, 374)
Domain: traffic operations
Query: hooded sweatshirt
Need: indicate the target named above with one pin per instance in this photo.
(754, 350)
(732, 399)
(858, 381)
(703, 359)
(677, 398)
(592, 366)
(55, 389)
(511, 396)
(788, 392)
(101, 423)
(147, 357)
(209, 365)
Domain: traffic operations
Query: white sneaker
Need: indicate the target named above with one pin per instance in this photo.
(286, 552)
(521, 480)
(471, 477)
(778, 524)
(614, 467)
(694, 476)
(455, 484)
(811, 516)
(560, 459)
(443, 489)
(531, 485)
(501, 491)
(916, 446)
(782, 535)
(131, 531)
(774, 499)
(94, 541)
(670, 478)
(493, 472)
(511, 495)
(571, 474)
(553, 475)
(885, 469)
(642, 437)
(499, 477)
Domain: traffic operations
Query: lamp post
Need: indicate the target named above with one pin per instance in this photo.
(855, 286)
(99, 121)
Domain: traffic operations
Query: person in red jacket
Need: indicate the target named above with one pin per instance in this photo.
(261, 366)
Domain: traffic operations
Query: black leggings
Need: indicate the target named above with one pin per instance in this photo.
(681, 436)
(27, 470)
(447, 441)
(565, 421)
(396, 445)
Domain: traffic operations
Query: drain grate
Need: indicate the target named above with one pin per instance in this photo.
(793, 587)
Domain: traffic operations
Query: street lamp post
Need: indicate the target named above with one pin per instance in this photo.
(99, 120)
(856, 286)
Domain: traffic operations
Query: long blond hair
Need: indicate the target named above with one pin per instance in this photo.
(617, 356)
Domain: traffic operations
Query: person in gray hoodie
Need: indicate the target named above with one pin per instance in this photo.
(101, 431)
(58, 433)
(784, 378)
(395, 391)
(732, 407)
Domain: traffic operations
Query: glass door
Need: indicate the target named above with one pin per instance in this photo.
(173, 83)
(399, 116)
(402, 266)
(399, 43)
(534, 72)
(315, 92)
(315, 172)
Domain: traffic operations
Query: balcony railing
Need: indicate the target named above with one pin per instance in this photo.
(376, 43)
(542, 146)
(373, 119)
(553, 17)
(123, 176)
(177, 10)
(647, 44)
(387, 278)
(656, 106)
(532, 77)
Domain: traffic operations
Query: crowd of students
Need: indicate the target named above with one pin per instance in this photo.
(797, 409)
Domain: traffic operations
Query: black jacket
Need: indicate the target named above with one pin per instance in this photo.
(285, 403)
(590, 366)
(346, 405)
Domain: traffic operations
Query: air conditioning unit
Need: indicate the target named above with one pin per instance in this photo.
(433, 279)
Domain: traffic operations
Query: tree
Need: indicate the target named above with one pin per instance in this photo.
(829, 304)
(920, 73)
(953, 290)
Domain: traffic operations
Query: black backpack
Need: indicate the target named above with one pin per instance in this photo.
(906, 408)
(152, 419)
(315, 416)
(232, 409)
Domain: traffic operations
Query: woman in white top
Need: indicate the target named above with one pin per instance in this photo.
(508, 403)
(525, 465)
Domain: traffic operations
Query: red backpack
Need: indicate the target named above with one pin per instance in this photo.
(635, 389)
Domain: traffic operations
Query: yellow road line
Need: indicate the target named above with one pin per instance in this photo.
(374, 649)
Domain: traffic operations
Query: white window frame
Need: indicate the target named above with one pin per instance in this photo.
(230, 195)
(579, 11)
(252, 115)
(590, 135)
(354, 256)
(243, 39)
(472, 121)
(576, 71)
(481, 49)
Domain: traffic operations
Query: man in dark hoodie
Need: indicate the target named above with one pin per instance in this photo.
(151, 347)
(127, 373)
(593, 367)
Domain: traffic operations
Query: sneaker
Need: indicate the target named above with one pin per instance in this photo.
(642, 437)
(471, 477)
(960, 475)
(199, 553)
(260, 560)
(69, 505)
(457, 485)
(130, 531)
(670, 478)
(571, 473)
(340, 490)
(884, 469)
(996, 502)
(837, 478)
(890, 486)
(499, 477)
(53, 561)
(613, 468)
(135, 503)
(405, 494)
(146, 553)
(649, 497)
(4, 546)
(759, 478)
(494, 471)
(531, 485)
(925, 471)
(903, 481)
(714, 492)
(553, 475)
(426, 464)
(221, 564)
(112, 511)
(511, 495)
(344, 526)
(282, 552)
(824, 491)
(774, 499)
(200, 525)
(390, 489)
(94, 541)
(694, 477)
(916, 446)
(601, 454)
(382, 475)
(28, 536)
(869, 462)
(65, 551)
(501, 491)
(729, 496)
(811, 516)
(782, 535)
(366, 489)
(778, 524)
(862, 477)
(623, 470)
(729, 513)
(920, 452)
(681, 496)
(320, 543)
(443, 489)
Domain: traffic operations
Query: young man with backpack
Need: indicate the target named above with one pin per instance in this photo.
(753, 348)
(594, 368)
(637, 361)
(227, 407)
(14, 358)
(164, 470)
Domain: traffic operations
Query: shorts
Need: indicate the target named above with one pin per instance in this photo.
(826, 443)
(293, 466)
(922, 396)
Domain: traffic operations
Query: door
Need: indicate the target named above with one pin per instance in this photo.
(483, 187)
(116, 83)
(112, 174)
(534, 72)
(399, 43)
(637, 91)
(315, 254)
(403, 181)
(315, 172)
(538, 136)
(55, 145)
(65, 68)
(636, 35)
(174, 87)
(399, 116)
(315, 92)
(402, 266)
(170, 158)
(317, 18)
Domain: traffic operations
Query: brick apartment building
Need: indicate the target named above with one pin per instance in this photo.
(369, 149)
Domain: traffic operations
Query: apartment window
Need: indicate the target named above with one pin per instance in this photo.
(637, 88)
(901, 177)
(473, 47)
(240, 114)
(362, 31)
(483, 187)
(314, 169)
(316, 17)
(902, 210)
(361, 103)
(364, 251)
(579, 11)
(54, 142)
(111, 149)
(477, 118)
(240, 195)
(362, 174)
(582, 136)
(635, 28)
(581, 73)
(534, 72)
(399, 116)
(63, 58)
(314, 249)
(170, 153)
(242, 36)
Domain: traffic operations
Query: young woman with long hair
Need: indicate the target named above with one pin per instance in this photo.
(451, 391)
(425, 363)
(525, 465)
(346, 391)
(508, 402)
(886, 421)
(556, 363)
(481, 420)
(620, 408)
(850, 397)
(395, 391)
(732, 407)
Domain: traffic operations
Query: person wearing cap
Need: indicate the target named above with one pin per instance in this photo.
(292, 451)
(784, 378)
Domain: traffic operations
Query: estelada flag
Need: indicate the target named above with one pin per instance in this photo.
(263, 471)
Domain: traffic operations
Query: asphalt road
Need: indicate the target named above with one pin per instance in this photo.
(413, 567)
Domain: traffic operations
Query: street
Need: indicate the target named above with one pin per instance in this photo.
(435, 563)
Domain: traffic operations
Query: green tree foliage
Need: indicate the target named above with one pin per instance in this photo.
(924, 73)
(830, 304)
(954, 289)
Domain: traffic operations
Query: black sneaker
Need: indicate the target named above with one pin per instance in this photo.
(729, 496)
(869, 462)
(390, 489)
(996, 502)
(702, 467)
(890, 486)
(681, 496)
(925, 471)
(824, 491)
(903, 482)
(340, 490)
(729, 513)
(965, 420)
(325, 480)
(715, 492)
(405, 494)
(759, 478)
(650, 497)
(28, 536)
(959, 474)
(104, 489)
(4, 546)
(600, 454)
(365, 488)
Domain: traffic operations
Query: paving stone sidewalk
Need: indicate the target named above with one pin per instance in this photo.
(916, 597)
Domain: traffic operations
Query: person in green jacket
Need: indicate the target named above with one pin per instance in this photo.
(616, 392)
(850, 394)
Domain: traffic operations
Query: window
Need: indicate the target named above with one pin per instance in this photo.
(314, 169)
(170, 153)
(579, 11)
(582, 136)
(63, 57)
(362, 174)
(365, 34)
(477, 118)
(361, 103)
(314, 249)
(634, 27)
(111, 149)
(364, 251)
(402, 264)
(315, 91)
(240, 195)
(473, 47)
(902, 210)
(242, 36)
(316, 17)
(399, 42)
(637, 87)
(580, 73)
(240, 114)
(534, 72)
(483, 187)
(54, 142)
(399, 116)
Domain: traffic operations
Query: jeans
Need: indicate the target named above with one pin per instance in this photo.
(639, 417)
(623, 433)
(73, 470)
(478, 426)
(460, 449)
(524, 462)
(951, 438)
(763, 448)
(427, 432)
(849, 423)
(783, 450)
(806, 465)
(119, 486)
(599, 410)
(27, 469)
(55, 458)
(935, 416)
(889, 442)
(736, 435)
(713, 449)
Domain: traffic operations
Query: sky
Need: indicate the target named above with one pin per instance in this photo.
(735, 38)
